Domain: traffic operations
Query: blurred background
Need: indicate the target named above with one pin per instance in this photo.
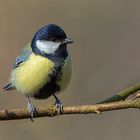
(105, 60)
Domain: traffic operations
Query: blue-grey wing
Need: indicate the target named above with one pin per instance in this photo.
(23, 56)
(19, 60)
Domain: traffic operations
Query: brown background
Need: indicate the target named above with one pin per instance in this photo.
(105, 60)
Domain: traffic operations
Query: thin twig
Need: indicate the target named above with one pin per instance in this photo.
(122, 95)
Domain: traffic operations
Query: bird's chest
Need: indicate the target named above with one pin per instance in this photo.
(33, 74)
(41, 77)
(59, 80)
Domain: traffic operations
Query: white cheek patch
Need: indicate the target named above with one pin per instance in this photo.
(47, 47)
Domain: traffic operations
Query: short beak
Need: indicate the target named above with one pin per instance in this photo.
(67, 41)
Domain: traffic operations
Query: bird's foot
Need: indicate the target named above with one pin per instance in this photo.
(31, 110)
(58, 105)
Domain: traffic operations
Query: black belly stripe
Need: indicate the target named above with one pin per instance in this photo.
(59, 59)
(51, 87)
(48, 90)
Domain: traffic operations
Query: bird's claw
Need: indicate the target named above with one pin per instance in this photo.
(59, 106)
(31, 110)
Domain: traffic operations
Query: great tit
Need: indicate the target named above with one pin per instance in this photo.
(44, 67)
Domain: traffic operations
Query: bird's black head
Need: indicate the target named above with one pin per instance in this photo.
(50, 32)
(48, 39)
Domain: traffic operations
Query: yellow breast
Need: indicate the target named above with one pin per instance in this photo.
(32, 75)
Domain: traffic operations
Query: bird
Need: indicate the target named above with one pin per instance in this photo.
(43, 69)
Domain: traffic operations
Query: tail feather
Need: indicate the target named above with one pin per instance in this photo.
(9, 86)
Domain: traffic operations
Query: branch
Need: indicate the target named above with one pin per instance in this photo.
(51, 111)
(115, 102)
(122, 95)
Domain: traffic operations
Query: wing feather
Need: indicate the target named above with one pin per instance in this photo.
(23, 56)
(19, 60)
